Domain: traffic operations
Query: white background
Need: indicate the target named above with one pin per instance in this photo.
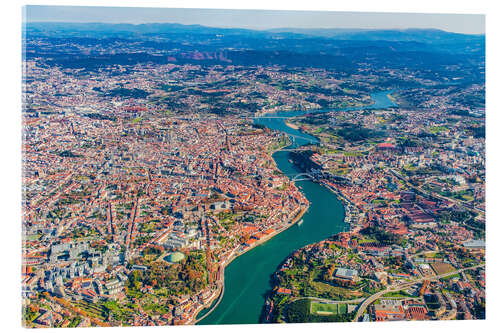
(10, 186)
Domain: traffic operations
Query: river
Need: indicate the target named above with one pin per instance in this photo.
(247, 278)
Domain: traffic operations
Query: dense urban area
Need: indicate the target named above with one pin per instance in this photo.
(145, 175)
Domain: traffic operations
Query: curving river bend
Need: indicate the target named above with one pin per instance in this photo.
(247, 278)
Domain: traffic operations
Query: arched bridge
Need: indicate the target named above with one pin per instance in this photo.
(294, 136)
(294, 147)
(307, 175)
(288, 148)
(302, 176)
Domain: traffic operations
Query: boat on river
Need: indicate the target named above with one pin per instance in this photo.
(243, 301)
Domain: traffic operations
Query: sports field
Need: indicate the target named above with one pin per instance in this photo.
(442, 268)
(325, 309)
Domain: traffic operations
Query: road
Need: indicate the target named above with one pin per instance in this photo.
(375, 296)
(329, 301)
(434, 195)
(219, 299)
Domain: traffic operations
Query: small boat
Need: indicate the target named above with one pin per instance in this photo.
(301, 221)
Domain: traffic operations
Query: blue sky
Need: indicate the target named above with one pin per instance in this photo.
(257, 19)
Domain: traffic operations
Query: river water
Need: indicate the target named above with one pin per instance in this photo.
(247, 278)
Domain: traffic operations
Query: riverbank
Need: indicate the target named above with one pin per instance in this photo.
(316, 109)
(348, 206)
(295, 127)
(392, 98)
(238, 251)
(235, 254)
(247, 278)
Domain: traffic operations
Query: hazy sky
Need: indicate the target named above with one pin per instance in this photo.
(257, 19)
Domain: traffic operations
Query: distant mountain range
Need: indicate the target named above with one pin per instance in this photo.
(128, 29)
(437, 39)
(346, 49)
(416, 35)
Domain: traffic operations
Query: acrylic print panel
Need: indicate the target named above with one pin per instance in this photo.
(196, 166)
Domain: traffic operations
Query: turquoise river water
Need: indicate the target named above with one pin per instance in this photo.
(247, 278)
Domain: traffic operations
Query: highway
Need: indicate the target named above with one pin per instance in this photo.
(219, 299)
(329, 301)
(374, 297)
(434, 195)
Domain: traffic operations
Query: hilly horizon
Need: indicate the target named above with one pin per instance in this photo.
(159, 26)
(291, 47)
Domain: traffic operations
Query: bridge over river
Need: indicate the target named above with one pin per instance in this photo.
(247, 277)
